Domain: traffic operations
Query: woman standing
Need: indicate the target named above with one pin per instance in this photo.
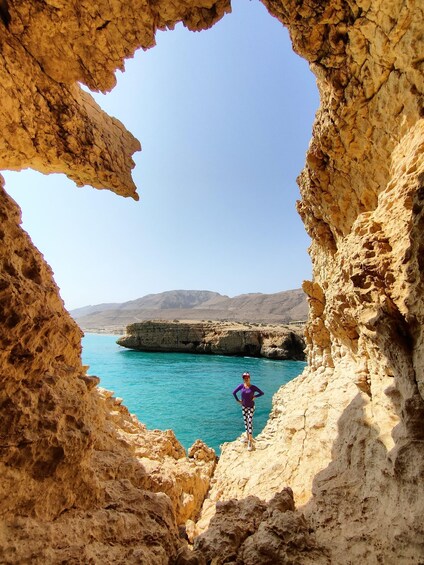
(248, 404)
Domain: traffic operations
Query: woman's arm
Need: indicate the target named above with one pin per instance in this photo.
(258, 390)
(235, 391)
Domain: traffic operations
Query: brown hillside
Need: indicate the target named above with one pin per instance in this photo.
(278, 308)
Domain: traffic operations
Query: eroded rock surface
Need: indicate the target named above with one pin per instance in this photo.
(302, 423)
(347, 435)
(48, 122)
(217, 338)
(81, 480)
(250, 531)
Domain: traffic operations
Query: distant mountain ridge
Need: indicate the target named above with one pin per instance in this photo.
(279, 308)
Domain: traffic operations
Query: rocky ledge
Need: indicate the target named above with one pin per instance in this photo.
(218, 338)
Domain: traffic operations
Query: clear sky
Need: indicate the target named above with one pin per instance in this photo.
(224, 118)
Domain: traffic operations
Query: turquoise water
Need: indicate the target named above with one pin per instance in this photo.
(190, 394)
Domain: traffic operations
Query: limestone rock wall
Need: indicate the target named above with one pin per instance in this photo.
(48, 122)
(249, 531)
(362, 199)
(81, 480)
(347, 435)
(218, 338)
(79, 474)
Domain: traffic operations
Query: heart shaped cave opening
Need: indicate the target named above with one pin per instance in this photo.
(225, 118)
(80, 476)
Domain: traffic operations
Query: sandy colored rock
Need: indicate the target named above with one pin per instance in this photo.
(80, 475)
(201, 452)
(300, 427)
(81, 480)
(249, 531)
(218, 338)
(48, 122)
(347, 435)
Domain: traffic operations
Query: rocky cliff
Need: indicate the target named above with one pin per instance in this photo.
(81, 480)
(347, 436)
(216, 338)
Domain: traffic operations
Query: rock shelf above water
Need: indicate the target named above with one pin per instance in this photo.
(218, 338)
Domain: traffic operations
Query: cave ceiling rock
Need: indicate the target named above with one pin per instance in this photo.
(48, 122)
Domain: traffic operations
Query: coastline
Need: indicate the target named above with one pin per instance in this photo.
(272, 341)
(100, 331)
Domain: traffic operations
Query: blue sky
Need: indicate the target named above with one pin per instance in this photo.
(224, 118)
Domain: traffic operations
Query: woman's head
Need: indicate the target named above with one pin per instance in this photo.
(246, 377)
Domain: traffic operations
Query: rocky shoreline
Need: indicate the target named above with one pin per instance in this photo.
(272, 341)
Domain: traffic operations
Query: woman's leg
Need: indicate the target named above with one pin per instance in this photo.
(250, 424)
(246, 421)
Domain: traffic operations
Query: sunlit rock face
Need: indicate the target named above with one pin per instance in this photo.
(81, 479)
(348, 435)
(216, 338)
(48, 122)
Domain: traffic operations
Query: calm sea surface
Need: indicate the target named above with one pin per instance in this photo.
(190, 394)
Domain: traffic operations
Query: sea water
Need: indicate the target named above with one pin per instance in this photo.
(190, 394)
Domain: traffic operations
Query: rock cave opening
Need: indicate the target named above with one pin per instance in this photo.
(81, 480)
(238, 132)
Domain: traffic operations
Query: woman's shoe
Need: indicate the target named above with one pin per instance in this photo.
(249, 446)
